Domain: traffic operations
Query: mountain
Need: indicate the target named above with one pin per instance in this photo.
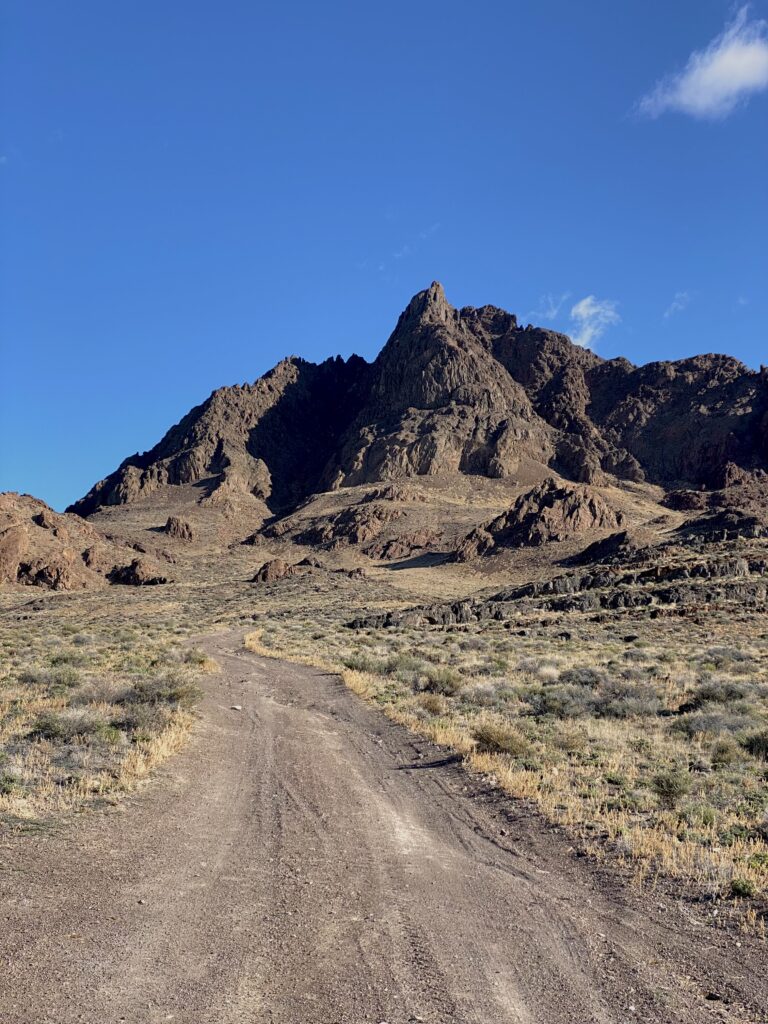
(458, 392)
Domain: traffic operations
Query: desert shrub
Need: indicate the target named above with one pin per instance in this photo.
(728, 659)
(494, 737)
(757, 744)
(712, 723)
(716, 691)
(583, 676)
(725, 752)
(359, 661)
(743, 888)
(143, 720)
(560, 701)
(65, 725)
(670, 786)
(8, 783)
(442, 680)
(77, 658)
(570, 741)
(432, 702)
(60, 678)
(627, 700)
(195, 657)
(402, 662)
(169, 688)
(473, 643)
(100, 691)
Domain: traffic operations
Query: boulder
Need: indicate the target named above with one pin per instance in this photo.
(140, 573)
(178, 528)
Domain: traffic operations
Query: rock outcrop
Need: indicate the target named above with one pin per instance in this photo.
(140, 573)
(352, 526)
(404, 545)
(178, 528)
(273, 570)
(40, 547)
(547, 513)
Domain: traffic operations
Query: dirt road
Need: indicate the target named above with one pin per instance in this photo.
(306, 861)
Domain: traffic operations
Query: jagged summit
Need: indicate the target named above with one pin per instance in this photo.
(429, 305)
(456, 391)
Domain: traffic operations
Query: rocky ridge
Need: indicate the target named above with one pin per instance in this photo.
(458, 391)
(40, 547)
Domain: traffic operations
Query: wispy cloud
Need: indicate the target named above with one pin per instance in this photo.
(409, 247)
(716, 79)
(592, 318)
(677, 305)
(549, 306)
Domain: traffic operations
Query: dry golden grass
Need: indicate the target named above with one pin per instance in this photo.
(584, 728)
(87, 714)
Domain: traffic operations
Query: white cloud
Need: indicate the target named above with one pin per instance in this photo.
(592, 318)
(715, 80)
(549, 306)
(677, 305)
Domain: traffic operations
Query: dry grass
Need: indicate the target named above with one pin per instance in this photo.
(648, 751)
(87, 714)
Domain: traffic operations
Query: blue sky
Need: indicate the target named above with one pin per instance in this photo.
(191, 191)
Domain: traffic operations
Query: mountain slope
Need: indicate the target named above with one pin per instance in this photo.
(465, 392)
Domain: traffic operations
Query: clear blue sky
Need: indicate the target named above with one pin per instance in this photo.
(192, 190)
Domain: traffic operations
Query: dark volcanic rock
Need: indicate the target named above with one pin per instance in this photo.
(178, 528)
(464, 391)
(140, 573)
(275, 569)
(725, 524)
(549, 512)
(403, 545)
(355, 525)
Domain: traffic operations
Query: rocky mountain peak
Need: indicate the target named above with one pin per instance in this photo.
(466, 392)
(428, 306)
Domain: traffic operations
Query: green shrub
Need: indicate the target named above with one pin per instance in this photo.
(63, 726)
(8, 783)
(443, 680)
(757, 744)
(670, 787)
(725, 752)
(712, 723)
(743, 888)
(170, 688)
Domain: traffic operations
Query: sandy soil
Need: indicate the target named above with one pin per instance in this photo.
(306, 861)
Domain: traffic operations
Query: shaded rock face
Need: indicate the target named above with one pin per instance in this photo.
(269, 440)
(549, 512)
(404, 545)
(140, 573)
(178, 528)
(353, 526)
(464, 391)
